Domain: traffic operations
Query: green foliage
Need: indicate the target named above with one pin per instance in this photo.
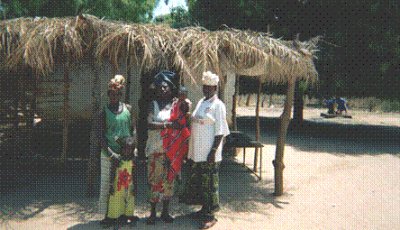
(178, 18)
(391, 106)
(360, 52)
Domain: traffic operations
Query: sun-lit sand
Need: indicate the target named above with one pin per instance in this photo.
(328, 184)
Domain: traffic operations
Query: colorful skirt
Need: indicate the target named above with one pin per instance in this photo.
(202, 187)
(104, 183)
(122, 200)
(160, 187)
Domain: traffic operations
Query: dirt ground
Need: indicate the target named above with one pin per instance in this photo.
(329, 182)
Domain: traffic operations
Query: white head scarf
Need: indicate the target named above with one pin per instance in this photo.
(210, 78)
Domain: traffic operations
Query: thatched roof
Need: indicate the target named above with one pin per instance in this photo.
(41, 42)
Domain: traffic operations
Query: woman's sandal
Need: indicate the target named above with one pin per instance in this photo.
(208, 224)
(151, 220)
(167, 218)
(131, 220)
(107, 222)
(197, 215)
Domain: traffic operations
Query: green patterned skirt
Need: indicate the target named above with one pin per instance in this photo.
(202, 186)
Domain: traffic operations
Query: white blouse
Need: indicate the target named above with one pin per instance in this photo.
(154, 140)
(208, 121)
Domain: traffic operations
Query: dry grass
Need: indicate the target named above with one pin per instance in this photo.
(40, 43)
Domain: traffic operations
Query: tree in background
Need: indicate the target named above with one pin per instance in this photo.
(126, 10)
(178, 18)
(360, 52)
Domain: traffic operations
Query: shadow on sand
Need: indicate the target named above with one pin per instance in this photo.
(62, 190)
(31, 187)
(329, 137)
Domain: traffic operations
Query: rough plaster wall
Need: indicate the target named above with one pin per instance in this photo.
(195, 91)
(229, 90)
(136, 87)
(82, 83)
(80, 95)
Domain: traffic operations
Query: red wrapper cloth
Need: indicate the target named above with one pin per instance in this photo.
(176, 141)
(124, 178)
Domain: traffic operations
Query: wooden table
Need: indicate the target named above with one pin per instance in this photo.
(240, 140)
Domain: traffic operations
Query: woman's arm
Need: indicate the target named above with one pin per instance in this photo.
(133, 123)
(154, 125)
(216, 143)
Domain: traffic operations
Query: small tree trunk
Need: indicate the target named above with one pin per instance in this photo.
(270, 101)
(257, 124)
(65, 112)
(16, 105)
(30, 117)
(94, 146)
(280, 143)
(248, 99)
(128, 79)
(298, 106)
(33, 101)
(240, 99)
(263, 100)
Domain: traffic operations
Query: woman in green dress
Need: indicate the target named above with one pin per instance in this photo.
(117, 135)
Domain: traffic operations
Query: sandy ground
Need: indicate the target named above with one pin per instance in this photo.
(313, 114)
(353, 186)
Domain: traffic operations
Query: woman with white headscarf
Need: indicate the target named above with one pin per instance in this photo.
(209, 127)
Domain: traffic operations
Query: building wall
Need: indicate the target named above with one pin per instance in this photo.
(82, 76)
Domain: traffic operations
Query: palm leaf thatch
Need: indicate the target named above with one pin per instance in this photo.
(40, 43)
(11, 32)
(278, 61)
(49, 41)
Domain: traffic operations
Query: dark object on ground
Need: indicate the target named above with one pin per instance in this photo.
(335, 115)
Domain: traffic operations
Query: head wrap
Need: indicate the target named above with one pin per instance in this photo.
(165, 76)
(210, 79)
(117, 83)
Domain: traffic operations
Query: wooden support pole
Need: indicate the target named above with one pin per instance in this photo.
(257, 124)
(23, 90)
(270, 101)
(94, 146)
(65, 112)
(128, 79)
(30, 99)
(33, 99)
(263, 100)
(298, 106)
(16, 105)
(235, 102)
(248, 100)
(280, 143)
(33, 109)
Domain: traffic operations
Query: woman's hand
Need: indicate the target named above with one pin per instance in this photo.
(172, 125)
(211, 156)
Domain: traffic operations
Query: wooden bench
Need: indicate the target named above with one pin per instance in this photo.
(238, 139)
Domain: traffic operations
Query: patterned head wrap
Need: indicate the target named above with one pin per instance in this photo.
(164, 76)
(117, 83)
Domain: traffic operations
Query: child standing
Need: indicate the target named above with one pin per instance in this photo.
(121, 203)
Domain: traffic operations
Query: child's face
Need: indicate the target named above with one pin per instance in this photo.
(127, 151)
(182, 95)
